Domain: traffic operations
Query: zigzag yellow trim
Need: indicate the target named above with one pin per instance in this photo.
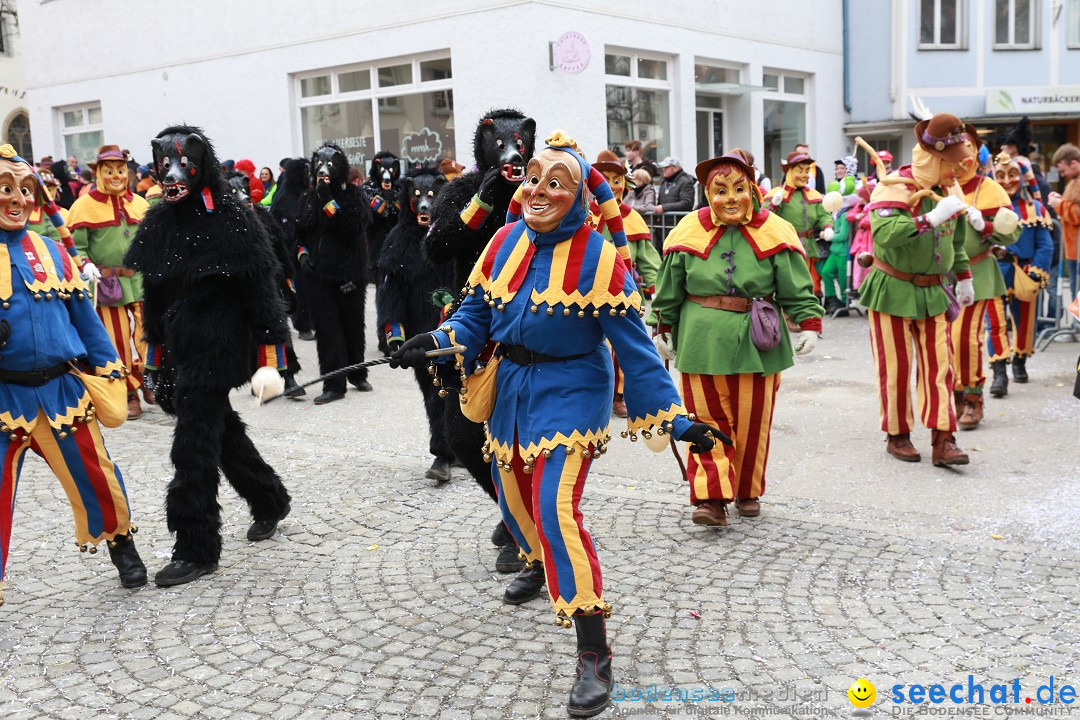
(588, 601)
(596, 298)
(67, 418)
(658, 419)
(108, 368)
(578, 439)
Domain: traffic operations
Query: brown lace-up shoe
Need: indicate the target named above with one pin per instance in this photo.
(972, 414)
(748, 507)
(945, 450)
(900, 447)
(134, 408)
(711, 513)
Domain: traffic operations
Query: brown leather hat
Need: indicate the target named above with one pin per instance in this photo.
(107, 152)
(793, 159)
(608, 161)
(729, 158)
(944, 135)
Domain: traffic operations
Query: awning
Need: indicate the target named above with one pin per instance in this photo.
(728, 88)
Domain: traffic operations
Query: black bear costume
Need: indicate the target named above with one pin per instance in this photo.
(502, 146)
(292, 184)
(331, 238)
(240, 185)
(381, 191)
(208, 272)
(405, 304)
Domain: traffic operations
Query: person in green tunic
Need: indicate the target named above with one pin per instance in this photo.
(986, 200)
(719, 262)
(907, 290)
(801, 206)
(103, 223)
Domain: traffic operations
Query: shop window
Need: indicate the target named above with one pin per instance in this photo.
(354, 81)
(1016, 25)
(784, 113)
(81, 128)
(638, 95)
(942, 25)
(435, 69)
(1073, 19)
(315, 86)
(617, 65)
(408, 110)
(711, 74)
(395, 75)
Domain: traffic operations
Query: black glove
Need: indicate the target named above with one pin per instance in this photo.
(150, 378)
(307, 264)
(702, 437)
(5, 332)
(492, 179)
(395, 345)
(414, 352)
(347, 288)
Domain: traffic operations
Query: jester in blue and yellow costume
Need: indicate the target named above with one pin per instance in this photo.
(1032, 255)
(549, 290)
(48, 332)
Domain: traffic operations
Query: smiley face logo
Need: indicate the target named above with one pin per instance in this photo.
(862, 693)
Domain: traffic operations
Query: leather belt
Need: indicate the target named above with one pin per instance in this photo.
(116, 271)
(36, 377)
(917, 279)
(521, 355)
(731, 303)
(976, 259)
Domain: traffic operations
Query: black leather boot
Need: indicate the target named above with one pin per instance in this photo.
(1019, 370)
(526, 586)
(999, 386)
(501, 536)
(292, 389)
(265, 529)
(591, 692)
(127, 561)
(509, 560)
(439, 471)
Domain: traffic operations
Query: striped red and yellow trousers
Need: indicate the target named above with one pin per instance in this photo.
(1005, 315)
(540, 508)
(124, 324)
(967, 346)
(92, 482)
(897, 343)
(741, 406)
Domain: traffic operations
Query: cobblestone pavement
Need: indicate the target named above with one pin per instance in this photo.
(378, 599)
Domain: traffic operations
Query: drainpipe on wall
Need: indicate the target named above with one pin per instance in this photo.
(847, 62)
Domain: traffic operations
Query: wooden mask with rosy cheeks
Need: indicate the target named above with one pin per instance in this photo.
(552, 180)
(800, 175)
(112, 177)
(730, 195)
(18, 190)
(1008, 174)
(617, 183)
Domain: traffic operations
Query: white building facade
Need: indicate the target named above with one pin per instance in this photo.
(990, 62)
(273, 79)
(14, 117)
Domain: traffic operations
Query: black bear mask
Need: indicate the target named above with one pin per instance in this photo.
(329, 165)
(240, 187)
(421, 187)
(185, 163)
(504, 139)
(385, 169)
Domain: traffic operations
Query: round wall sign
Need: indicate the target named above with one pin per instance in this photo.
(570, 53)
